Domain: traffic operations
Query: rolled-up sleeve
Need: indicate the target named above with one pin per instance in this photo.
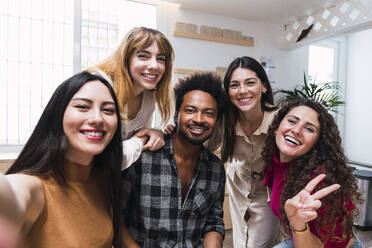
(215, 217)
(132, 149)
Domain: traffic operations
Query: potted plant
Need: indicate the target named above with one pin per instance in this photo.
(325, 93)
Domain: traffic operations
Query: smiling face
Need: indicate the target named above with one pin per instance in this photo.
(197, 117)
(246, 89)
(146, 67)
(89, 122)
(297, 133)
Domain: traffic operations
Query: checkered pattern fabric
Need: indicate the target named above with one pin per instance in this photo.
(152, 203)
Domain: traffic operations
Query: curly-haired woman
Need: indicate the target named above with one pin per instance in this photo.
(305, 164)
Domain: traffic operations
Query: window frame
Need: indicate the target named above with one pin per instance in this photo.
(339, 74)
(10, 151)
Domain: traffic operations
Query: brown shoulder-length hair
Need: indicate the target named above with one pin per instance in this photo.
(327, 157)
(232, 113)
(116, 67)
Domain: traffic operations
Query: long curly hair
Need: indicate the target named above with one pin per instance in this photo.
(326, 156)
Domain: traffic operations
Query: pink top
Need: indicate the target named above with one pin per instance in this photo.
(275, 178)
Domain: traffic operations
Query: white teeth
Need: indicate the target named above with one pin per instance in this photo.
(95, 134)
(292, 140)
(150, 76)
(245, 99)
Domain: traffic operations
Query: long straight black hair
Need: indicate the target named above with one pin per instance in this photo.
(232, 112)
(44, 152)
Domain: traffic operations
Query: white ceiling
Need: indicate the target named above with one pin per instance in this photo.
(274, 11)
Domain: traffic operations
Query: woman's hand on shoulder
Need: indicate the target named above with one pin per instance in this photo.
(169, 129)
(22, 200)
(153, 139)
(302, 207)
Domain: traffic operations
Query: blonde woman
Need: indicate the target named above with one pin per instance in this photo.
(140, 71)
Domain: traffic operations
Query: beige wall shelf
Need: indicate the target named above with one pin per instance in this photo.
(183, 71)
(4, 164)
(212, 38)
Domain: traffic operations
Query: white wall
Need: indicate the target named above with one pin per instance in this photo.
(358, 121)
(290, 65)
(206, 55)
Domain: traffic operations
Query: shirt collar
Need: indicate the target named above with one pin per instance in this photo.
(170, 148)
(266, 122)
(262, 129)
(239, 129)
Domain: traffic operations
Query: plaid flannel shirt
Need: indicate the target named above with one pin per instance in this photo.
(154, 213)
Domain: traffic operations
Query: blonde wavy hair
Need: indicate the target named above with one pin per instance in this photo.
(116, 66)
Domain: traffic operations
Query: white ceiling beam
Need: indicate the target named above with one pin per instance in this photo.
(347, 16)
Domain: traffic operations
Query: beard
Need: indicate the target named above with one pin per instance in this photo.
(195, 140)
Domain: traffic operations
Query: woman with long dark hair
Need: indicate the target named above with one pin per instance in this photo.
(306, 163)
(250, 112)
(63, 190)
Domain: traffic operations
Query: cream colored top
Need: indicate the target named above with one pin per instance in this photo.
(247, 158)
(247, 193)
(132, 146)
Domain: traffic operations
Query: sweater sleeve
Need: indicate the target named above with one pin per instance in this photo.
(132, 149)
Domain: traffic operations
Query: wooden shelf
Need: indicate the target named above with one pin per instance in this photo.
(183, 71)
(5, 164)
(212, 38)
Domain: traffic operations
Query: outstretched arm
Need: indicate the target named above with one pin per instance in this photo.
(301, 209)
(22, 200)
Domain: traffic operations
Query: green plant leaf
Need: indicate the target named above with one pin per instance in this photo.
(326, 93)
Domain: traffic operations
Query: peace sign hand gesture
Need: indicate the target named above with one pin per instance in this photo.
(302, 207)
